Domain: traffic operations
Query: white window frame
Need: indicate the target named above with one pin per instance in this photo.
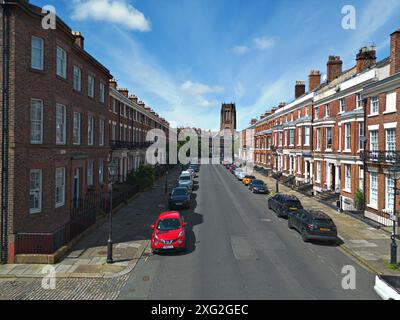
(390, 144)
(347, 137)
(389, 194)
(328, 110)
(101, 171)
(77, 78)
(361, 134)
(36, 103)
(61, 62)
(36, 191)
(359, 101)
(90, 131)
(60, 187)
(102, 92)
(374, 142)
(373, 190)
(329, 129)
(37, 65)
(61, 127)
(291, 137)
(318, 167)
(342, 105)
(316, 113)
(347, 178)
(307, 136)
(101, 132)
(374, 105)
(318, 138)
(77, 128)
(299, 136)
(90, 171)
(91, 88)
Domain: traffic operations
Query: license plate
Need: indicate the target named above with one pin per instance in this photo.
(325, 229)
(179, 203)
(293, 209)
(168, 247)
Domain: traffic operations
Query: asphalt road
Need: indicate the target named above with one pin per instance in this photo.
(238, 249)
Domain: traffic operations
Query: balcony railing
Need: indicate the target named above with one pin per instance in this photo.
(116, 144)
(380, 157)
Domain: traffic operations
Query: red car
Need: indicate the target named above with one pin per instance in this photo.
(169, 232)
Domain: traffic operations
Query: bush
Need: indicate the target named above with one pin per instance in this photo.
(144, 177)
(359, 200)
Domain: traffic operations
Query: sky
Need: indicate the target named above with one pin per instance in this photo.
(184, 58)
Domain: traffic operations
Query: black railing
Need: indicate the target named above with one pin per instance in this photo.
(389, 157)
(116, 144)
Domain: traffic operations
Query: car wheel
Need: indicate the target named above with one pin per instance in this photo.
(290, 224)
(269, 206)
(304, 235)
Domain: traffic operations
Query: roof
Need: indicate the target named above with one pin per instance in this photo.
(169, 214)
(319, 214)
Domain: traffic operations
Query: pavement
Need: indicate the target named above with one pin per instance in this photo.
(370, 246)
(131, 234)
(238, 249)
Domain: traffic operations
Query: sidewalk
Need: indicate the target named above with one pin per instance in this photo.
(370, 246)
(131, 234)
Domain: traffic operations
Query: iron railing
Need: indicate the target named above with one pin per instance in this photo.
(380, 157)
(116, 144)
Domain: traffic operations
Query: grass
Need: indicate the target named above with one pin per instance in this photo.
(392, 267)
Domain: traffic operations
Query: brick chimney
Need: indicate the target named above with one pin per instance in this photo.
(262, 116)
(141, 103)
(253, 121)
(334, 68)
(395, 52)
(133, 98)
(124, 92)
(366, 58)
(79, 39)
(113, 83)
(299, 89)
(314, 80)
(281, 105)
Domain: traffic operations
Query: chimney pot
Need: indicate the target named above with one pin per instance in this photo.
(79, 39)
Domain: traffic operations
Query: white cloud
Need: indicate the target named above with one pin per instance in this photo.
(204, 103)
(240, 50)
(199, 88)
(263, 43)
(113, 11)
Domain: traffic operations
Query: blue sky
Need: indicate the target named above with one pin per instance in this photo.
(185, 57)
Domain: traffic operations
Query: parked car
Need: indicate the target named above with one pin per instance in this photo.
(195, 167)
(240, 174)
(233, 169)
(313, 225)
(387, 287)
(248, 179)
(192, 172)
(168, 232)
(258, 186)
(179, 198)
(282, 204)
(186, 179)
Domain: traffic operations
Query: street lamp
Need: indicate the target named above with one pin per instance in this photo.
(395, 173)
(275, 153)
(112, 172)
(363, 139)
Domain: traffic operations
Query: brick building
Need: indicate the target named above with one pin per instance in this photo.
(54, 133)
(129, 122)
(246, 150)
(318, 140)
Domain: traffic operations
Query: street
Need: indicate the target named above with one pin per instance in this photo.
(238, 249)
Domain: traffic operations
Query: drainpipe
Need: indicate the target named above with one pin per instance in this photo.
(5, 137)
(365, 101)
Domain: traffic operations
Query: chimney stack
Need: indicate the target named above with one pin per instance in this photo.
(124, 92)
(253, 121)
(281, 105)
(300, 89)
(395, 52)
(79, 39)
(133, 98)
(314, 80)
(366, 58)
(334, 68)
(113, 83)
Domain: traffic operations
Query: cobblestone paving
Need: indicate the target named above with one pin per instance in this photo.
(66, 289)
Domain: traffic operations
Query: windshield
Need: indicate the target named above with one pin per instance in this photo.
(185, 178)
(293, 203)
(179, 192)
(258, 183)
(168, 224)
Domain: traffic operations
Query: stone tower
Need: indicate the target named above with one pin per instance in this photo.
(228, 116)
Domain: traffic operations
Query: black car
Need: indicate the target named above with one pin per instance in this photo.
(195, 167)
(282, 204)
(313, 225)
(258, 186)
(179, 198)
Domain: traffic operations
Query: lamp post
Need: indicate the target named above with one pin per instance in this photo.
(275, 153)
(395, 173)
(112, 172)
(364, 154)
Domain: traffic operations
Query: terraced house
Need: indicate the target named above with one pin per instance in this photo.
(54, 137)
(340, 137)
(130, 122)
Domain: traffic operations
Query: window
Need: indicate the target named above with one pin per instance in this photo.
(61, 63)
(101, 171)
(340, 138)
(114, 105)
(280, 138)
(307, 136)
(360, 178)
(90, 130)
(35, 191)
(77, 128)
(102, 92)
(291, 116)
(374, 145)
(361, 134)
(389, 199)
(329, 138)
(390, 143)
(37, 53)
(60, 187)
(101, 132)
(328, 111)
(316, 112)
(347, 133)
(342, 105)
(373, 192)
(77, 79)
(318, 171)
(391, 102)
(299, 142)
(374, 105)
(121, 109)
(291, 133)
(61, 124)
(114, 131)
(90, 174)
(318, 137)
(299, 114)
(36, 121)
(359, 103)
(347, 182)
(91, 89)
